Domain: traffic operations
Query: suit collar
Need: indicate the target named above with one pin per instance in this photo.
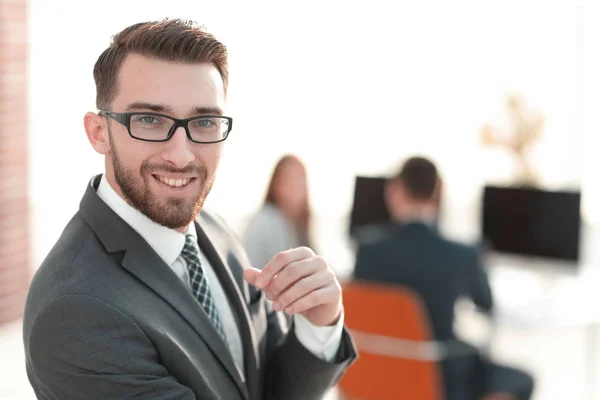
(144, 263)
(414, 227)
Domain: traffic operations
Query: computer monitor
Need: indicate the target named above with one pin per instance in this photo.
(533, 222)
(368, 208)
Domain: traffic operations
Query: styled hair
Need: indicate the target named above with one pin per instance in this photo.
(170, 39)
(419, 177)
(304, 219)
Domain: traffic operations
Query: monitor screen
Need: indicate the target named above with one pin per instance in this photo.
(368, 206)
(532, 222)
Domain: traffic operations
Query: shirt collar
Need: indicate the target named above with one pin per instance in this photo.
(166, 242)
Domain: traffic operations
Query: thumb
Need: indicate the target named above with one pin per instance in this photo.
(250, 275)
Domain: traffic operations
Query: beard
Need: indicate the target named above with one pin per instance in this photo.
(173, 212)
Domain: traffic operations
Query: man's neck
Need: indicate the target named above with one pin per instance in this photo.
(416, 212)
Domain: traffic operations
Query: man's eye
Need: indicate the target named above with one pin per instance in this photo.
(205, 123)
(147, 119)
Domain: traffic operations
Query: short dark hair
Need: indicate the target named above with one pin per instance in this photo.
(419, 177)
(170, 39)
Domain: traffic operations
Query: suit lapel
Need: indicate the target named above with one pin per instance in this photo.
(214, 243)
(143, 262)
(152, 271)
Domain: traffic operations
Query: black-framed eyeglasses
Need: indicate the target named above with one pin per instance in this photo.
(154, 127)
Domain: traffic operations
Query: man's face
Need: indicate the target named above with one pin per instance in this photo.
(166, 181)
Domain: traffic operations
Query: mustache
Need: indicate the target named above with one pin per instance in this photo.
(151, 168)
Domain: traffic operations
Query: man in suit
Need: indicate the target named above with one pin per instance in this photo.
(411, 252)
(147, 296)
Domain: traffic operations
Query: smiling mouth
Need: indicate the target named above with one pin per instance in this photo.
(172, 182)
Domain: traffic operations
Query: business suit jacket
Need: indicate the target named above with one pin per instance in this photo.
(106, 318)
(440, 271)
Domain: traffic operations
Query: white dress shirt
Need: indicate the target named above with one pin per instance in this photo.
(322, 341)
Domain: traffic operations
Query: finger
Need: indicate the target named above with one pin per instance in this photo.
(250, 275)
(323, 295)
(302, 288)
(293, 273)
(280, 261)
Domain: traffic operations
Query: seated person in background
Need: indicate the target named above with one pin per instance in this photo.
(283, 221)
(411, 252)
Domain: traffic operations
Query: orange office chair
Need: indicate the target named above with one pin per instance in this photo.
(397, 358)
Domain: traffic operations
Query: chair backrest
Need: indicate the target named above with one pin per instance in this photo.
(391, 330)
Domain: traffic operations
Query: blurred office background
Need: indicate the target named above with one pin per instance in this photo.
(352, 88)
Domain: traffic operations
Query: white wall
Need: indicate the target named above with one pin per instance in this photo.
(590, 114)
(350, 87)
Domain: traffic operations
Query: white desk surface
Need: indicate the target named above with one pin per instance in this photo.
(538, 293)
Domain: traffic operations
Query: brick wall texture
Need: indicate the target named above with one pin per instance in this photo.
(14, 204)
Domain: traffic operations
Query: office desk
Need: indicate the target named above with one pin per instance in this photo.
(539, 293)
(548, 295)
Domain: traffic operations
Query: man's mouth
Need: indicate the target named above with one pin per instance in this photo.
(174, 182)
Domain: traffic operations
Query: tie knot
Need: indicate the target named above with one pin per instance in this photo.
(190, 248)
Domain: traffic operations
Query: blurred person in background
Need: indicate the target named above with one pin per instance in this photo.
(411, 252)
(283, 222)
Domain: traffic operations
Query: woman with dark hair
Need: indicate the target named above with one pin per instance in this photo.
(283, 222)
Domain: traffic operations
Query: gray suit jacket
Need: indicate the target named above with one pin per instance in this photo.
(106, 318)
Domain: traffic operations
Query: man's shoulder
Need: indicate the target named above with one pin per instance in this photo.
(75, 239)
(374, 235)
(459, 247)
(212, 219)
(459, 254)
(421, 235)
(71, 264)
(70, 267)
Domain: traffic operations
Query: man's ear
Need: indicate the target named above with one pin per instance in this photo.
(97, 132)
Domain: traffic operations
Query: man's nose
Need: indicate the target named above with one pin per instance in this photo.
(178, 149)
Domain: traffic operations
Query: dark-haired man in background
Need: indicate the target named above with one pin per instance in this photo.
(411, 252)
